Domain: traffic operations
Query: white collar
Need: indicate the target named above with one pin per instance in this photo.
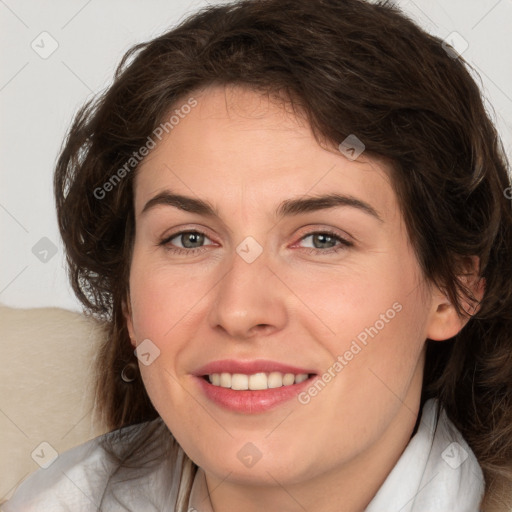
(437, 471)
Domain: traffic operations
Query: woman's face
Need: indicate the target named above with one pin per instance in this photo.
(330, 288)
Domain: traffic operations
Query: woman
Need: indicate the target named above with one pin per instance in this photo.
(293, 218)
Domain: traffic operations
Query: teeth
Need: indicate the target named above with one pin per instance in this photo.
(275, 380)
(257, 381)
(225, 380)
(240, 381)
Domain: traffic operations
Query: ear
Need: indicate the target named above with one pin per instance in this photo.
(127, 312)
(444, 321)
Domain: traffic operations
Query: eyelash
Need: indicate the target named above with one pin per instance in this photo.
(344, 244)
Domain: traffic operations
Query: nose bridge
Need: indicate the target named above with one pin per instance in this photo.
(247, 299)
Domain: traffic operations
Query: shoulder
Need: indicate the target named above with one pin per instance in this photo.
(75, 481)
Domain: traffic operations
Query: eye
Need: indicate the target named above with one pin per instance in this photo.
(189, 242)
(192, 241)
(325, 242)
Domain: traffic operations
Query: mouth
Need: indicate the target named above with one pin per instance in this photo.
(251, 387)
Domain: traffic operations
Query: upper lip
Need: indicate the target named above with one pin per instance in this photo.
(249, 367)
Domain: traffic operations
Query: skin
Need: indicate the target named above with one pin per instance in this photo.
(245, 154)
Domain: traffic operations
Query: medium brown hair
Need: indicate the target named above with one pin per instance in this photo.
(353, 68)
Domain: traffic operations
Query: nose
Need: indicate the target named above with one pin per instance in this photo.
(249, 299)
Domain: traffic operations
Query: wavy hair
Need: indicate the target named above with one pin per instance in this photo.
(352, 67)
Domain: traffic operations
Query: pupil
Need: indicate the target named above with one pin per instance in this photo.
(189, 238)
(324, 239)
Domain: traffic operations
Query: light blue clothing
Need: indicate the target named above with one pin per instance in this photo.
(437, 472)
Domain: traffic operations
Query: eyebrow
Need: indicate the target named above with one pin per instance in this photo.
(288, 207)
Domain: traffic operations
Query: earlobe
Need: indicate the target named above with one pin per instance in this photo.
(445, 322)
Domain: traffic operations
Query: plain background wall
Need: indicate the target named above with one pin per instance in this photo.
(38, 97)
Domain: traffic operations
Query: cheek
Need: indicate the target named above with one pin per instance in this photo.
(165, 303)
(372, 323)
(340, 301)
(375, 363)
(162, 297)
(378, 350)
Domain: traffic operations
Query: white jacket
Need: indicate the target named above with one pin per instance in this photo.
(437, 472)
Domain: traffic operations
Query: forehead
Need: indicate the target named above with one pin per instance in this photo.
(237, 146)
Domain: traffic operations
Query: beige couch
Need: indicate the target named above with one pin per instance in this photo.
(45, 388)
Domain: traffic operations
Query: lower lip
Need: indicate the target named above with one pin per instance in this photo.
(248, 401)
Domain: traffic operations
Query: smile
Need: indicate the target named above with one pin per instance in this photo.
(255, 381)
